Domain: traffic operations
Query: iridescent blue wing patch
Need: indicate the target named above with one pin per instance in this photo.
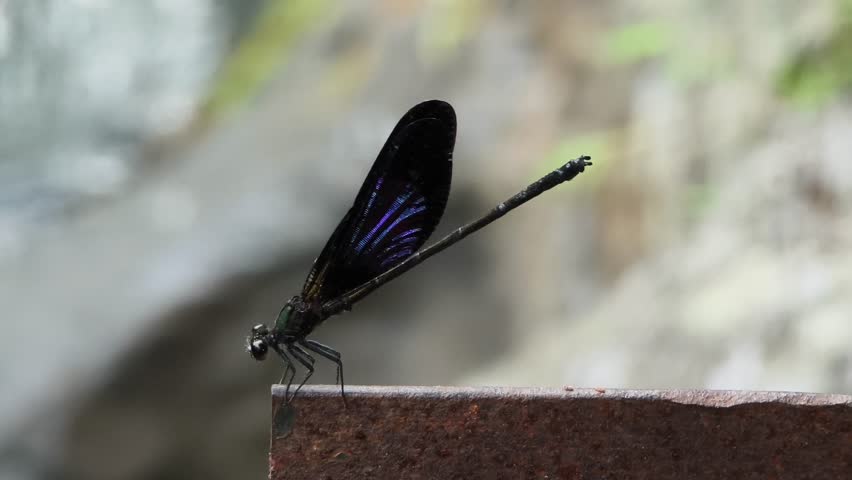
(396, 210)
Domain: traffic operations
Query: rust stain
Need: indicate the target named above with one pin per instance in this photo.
(471, 433)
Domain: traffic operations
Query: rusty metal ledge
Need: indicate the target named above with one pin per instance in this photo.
(493, 433)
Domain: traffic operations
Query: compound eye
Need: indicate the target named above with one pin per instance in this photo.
(260, 329)
(258, 349)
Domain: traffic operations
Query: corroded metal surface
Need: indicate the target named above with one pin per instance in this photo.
(495, 433)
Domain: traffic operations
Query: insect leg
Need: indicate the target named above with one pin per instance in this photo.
(305, 359)
(330, 354)
(288, 368)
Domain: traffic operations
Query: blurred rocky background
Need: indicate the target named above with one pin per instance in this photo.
(169, 170)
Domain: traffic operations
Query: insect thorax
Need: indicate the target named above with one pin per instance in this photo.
(295, 320)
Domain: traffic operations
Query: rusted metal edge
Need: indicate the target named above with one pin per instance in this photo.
(492, 433)
(706, 398)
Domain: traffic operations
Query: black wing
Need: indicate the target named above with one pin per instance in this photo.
(396, 210)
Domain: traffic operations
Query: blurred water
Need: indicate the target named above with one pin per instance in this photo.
(84, 85)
